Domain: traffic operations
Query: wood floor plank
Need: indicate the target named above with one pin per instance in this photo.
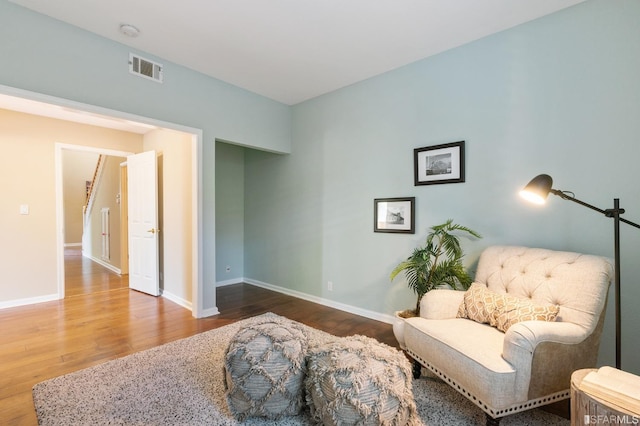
(101, 319)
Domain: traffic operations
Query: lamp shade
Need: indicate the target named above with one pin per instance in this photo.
(537, 190)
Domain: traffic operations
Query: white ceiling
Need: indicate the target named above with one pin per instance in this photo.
(294, 50)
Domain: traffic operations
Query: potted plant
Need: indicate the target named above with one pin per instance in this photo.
(437, 263)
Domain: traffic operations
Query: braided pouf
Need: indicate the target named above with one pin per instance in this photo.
(265, 370)
(358, 380)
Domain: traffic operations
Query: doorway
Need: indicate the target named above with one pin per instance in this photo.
(95, 257)
(175, 160)
(44, 105)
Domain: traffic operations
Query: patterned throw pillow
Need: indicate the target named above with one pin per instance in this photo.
(478, 304)
(502, 310)
(511, 310)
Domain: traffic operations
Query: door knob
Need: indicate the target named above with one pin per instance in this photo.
(153, 230)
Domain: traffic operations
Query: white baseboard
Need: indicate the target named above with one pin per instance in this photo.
(28, 301)
(176, 299)
(188, 305)
(209, 312)
(73, 244)
(230, 282)
(389, 319)
(103, 263)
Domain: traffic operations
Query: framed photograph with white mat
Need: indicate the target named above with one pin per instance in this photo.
(396, 215)
(439, 164)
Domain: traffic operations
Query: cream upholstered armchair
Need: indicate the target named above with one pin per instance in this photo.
(511, 342)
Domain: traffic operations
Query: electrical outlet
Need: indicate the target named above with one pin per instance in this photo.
(330, 285)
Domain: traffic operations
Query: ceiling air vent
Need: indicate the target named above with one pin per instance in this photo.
(145, 68)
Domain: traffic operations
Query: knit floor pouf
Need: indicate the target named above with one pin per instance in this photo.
(265, 370)
(358, 380)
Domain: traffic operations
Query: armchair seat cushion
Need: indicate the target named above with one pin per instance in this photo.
(475, 360)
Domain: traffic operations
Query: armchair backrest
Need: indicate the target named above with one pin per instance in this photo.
(578, 283)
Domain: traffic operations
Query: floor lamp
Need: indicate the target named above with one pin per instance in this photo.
(537, 190)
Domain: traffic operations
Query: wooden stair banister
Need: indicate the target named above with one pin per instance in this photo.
(93, 186)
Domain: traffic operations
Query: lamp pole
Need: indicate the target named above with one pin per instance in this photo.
(614, 213)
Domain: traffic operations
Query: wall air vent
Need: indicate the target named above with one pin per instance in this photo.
(145, 68)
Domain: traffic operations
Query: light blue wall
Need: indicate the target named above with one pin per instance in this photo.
(229, 213)
(559, 95)
(46, 56)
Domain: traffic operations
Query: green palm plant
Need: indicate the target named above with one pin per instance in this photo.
(438, 263)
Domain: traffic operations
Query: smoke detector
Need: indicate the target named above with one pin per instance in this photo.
(129, 30)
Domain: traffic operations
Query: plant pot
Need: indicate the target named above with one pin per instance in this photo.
(398, 329)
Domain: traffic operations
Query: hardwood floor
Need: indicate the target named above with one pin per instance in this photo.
(83, 276)
(101, 319)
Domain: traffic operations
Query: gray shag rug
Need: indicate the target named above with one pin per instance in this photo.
(182, 383)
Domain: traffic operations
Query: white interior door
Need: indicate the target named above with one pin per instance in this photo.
(142, 187)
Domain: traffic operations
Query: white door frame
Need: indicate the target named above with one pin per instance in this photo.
(198, 310)
(59, 147)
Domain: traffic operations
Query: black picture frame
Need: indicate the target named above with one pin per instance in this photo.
(439, 164)
(394, 215)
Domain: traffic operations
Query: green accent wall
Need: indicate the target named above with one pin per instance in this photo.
(229, 213)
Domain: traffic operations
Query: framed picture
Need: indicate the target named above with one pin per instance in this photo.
(439, 164)
(394, 215)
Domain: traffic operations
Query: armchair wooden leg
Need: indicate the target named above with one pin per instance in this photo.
(417, 369)
(491, 421)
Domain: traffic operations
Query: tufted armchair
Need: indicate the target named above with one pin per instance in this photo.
(530, 363)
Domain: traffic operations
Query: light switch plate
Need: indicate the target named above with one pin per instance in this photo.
(24, 208)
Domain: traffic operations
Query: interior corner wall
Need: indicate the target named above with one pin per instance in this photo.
(558, 95)
(229, 213)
